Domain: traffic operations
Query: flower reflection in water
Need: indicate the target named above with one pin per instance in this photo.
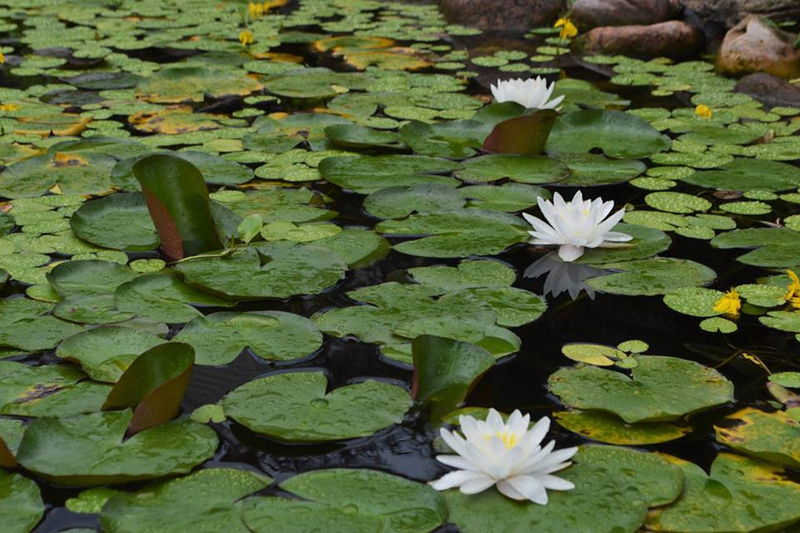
(564, 276)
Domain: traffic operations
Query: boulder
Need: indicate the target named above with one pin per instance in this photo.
(754, 46)
(731, 12)
(675, 38)
(770, 90)
(502, 15)
(588, 14)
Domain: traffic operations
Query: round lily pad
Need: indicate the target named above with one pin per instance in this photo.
(367, 174)
(348, 501)
(295, 407)
(659, 389)
(90, 450)
(618, 134)
(740, 494)
(20, 503)
(274, 335)
(119, 222)
(272, 270)
(522, 168)
(105, 353)
(652, 276)
(208, 501)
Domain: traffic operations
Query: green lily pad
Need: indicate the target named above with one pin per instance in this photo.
(105, 353)
(295, 407)
(652, 276)
(176, 84)
(73, 173)
(348, 501)
(694, 301)
(531, 169)
(315, 83)
(119, 222)
(276, 204)
(774, 247)
(273, 335)
(676, 202)
(618, 134)
(468, 275)
(399, 202)
(272, 270)
(660, 389)
(609, 429)
(745, 174)
(588, 170)
(771, 437)
(20, 503)
(740, 494)
(164, 298)
(613, 489)
(367, 174)
(457, 233)
(208, 500)
(89, 449)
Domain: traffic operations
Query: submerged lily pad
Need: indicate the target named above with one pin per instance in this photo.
(609, 429)
(660, 389)
(89, 449)
(348, 501)
(273, 335)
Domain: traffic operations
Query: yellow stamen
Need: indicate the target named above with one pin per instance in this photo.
(256, 10)
(509, 438)
(568, 29)
(703, 111)
(2, 58)
(730, 304)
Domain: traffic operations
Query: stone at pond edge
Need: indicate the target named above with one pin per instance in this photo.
(769, 90)
(588, 14)
(675, 39)
(754, 46)
(730, 12)
(509, 15)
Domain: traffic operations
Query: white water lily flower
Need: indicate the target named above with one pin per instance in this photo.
(576, 225)
(532, 93)
(508, 455)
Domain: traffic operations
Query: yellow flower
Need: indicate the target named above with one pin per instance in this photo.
(256, 10)
(568, 29)
(793, 290)
(246, 37)
(729, 304)
(2, 58)
(9, 107)
(703, 111)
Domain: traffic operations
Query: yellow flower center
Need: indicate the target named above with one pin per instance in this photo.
(509, 438)
(793, 289)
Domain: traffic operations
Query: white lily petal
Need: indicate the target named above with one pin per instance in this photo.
(456, 479)
(569, 253)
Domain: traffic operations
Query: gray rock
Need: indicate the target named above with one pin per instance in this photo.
(502, 15)
(770, 90)
(588, 14)
(754, 46)
(675, 38)
(731, 12)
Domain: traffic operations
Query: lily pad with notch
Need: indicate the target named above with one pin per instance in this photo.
(343, 500)
(90, 449)
(769, 436)
(659, 389)
(609, 429)
(367, 174)
(219, 338)
(296, 407)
